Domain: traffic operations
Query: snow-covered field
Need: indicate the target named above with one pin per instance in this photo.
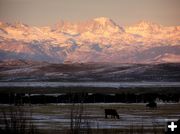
(58, 116)
(136, 115)
(89, 84)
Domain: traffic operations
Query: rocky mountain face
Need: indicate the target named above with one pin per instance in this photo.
(96, 40)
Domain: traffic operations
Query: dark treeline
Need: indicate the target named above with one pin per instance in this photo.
(12, 98)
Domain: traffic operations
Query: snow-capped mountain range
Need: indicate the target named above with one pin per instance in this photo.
(96, 40)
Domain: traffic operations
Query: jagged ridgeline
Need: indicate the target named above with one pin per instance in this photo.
(95, 40)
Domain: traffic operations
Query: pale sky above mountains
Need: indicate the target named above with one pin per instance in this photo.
(124, 12)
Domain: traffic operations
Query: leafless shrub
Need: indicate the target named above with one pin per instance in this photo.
(17, 121)
(155, 127)
(79, 123)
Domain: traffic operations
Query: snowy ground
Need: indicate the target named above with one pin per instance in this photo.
(132, 115)
(135, 115)
(89, 84)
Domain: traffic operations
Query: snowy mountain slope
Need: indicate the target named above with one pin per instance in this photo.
(20, 70)
(96, 40)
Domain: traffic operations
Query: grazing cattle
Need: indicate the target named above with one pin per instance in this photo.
(152, 105)
(112, 112)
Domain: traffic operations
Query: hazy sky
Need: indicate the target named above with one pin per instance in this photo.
(124, 12)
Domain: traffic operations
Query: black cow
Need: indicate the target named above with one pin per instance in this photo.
(111, 112)
(152, 105)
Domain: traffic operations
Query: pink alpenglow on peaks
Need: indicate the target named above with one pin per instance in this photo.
(96, 40)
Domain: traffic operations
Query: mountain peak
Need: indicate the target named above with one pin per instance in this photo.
(108, 25)
(102, 25)
(19, 24)
(147, 24)
(102, 20)
(144, 28)
(1, 23)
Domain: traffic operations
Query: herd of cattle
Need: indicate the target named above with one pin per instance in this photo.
(112, 113)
